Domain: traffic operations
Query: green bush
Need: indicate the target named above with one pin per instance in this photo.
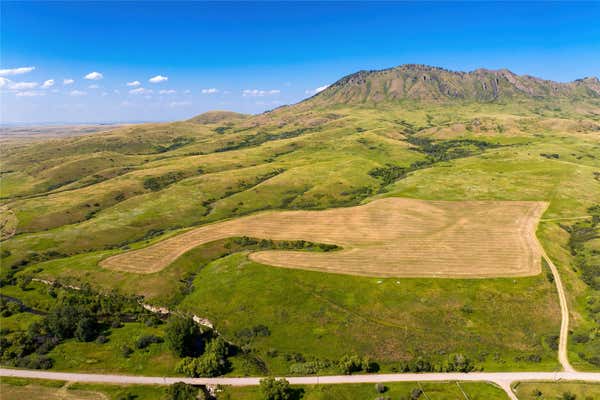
(275, 389)
(182, 335)
(146, 341)
(212, 363)
(181, 391)
(353, 363)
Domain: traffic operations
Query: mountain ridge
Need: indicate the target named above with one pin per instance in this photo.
(429, 83)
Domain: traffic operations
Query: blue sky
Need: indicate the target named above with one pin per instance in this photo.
(250, 57)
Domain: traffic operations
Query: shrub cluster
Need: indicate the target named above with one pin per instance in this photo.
(275, 389)
(156, 183)
(249, 242)
(78, 314)
(353, 363)
(147, 340)
(454, 363)
(435, 151)
(213, 362)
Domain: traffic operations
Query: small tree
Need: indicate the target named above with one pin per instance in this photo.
(86, 329)
(568, 396)
(416, 393)
(275, 389)
(181, 335)
(181, 391)
(212, 363)
(24, 281)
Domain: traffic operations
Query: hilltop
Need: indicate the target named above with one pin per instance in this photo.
(427, 83)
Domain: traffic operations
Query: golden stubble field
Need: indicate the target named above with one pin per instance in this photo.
(387, 238)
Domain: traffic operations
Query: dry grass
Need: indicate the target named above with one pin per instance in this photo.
(8, 223)
(33, 391)
(387, 237)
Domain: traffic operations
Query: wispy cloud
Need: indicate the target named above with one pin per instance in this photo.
(317, 90)
(140, 90)
(259, 92)
(15, 71)
(158, 79)
(22, 85)
(93, 86)
(94, 76)
(4, 82)
(68, 81)
(167, 91)
(133, 84)
(30, 93)
(77, 93)
(210, 91)
(48, 84)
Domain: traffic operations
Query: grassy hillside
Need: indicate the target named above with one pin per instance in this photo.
(67, 203)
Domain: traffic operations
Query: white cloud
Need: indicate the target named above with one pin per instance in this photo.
(169, 91)
(68, 81)
(104, 94)
(4, 82)
(22, 85)
(317, 90)
(133, 84)
(158, 79)
(140, 90)
(48, 84)
(174, 104)
(30, 93)
(77, 93)
(210, 91)
(187, 91)
(16, 71)
(93, 87)
(94, 76)
(259, 92)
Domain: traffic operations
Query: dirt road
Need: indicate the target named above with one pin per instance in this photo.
(502, 379)
(563, 355)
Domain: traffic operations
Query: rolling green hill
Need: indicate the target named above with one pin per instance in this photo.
(411, 131)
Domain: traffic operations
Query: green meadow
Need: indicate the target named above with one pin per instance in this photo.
(557, 390)
(433, 391)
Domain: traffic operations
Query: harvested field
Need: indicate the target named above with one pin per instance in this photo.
(388, 237)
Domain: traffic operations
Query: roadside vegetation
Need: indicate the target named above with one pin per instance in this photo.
(557, 390)
(270, 389)
(277, 389)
